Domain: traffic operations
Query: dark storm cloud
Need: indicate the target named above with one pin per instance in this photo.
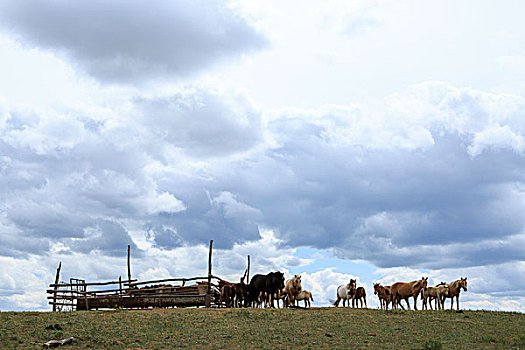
(125, 41)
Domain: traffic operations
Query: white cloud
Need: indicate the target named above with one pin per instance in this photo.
(497, 137)
(165, 203)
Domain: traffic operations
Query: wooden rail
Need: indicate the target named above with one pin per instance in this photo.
(87, 284)
(76, 295)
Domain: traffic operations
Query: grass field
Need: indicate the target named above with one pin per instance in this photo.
(317, 328)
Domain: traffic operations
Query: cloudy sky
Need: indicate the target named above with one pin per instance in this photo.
(383, 140)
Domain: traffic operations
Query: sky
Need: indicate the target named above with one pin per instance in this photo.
(377, 140)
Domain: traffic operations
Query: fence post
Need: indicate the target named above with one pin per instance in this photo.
(208, 299)
(248, 272)
(56, 287)
(129, 266)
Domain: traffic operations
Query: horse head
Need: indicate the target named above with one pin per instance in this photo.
(421, 284)
(376, 288)
(296, 280)
(463, 283)
(280, 279)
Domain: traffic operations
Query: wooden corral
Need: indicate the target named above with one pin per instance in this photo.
(130, 293)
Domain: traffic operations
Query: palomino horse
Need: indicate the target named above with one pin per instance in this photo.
(345, 292)
(404, 290)
(292, 288)
(383, 293)
(358, 297)
(306, 296)
(454, 290)
(437, 293)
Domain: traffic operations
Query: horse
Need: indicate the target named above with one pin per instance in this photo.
(292, 288)
(282, 296)
(404, 290)
(383, 293)
(454, 290)
(269, 284)
(345, 292)
(241, 293)
(359, 296)
(437, 293)
(227, 294)
(306, 296)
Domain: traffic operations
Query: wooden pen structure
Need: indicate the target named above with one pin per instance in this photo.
(131, 293)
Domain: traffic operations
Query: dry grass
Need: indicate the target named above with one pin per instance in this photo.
(317, 328)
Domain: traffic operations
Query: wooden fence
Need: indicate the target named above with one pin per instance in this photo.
(131, 293)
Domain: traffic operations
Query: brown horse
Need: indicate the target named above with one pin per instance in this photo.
(404, 290)
(454, 290)
(359, 296)
(227, 294)
(240, 291)
(383, 293)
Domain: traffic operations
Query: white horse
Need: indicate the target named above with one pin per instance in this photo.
(345, 293)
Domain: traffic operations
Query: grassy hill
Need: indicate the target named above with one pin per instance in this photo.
(316, 328)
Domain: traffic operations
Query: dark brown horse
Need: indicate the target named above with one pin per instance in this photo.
(240, 293)
(227, 294)
(359, 296)
(383, 293)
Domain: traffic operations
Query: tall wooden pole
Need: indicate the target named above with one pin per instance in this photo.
(208, 297)
(209, 265)
(57, 277)
(248, 272)
(129, 265)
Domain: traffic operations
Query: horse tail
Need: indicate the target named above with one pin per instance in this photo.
(311, 297)
(332, 301)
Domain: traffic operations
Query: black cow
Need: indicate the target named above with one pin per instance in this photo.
(268, 285)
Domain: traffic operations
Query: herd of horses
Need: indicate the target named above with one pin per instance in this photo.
(265, 290)
(404, 290)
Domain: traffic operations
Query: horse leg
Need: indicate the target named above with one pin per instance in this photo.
(415, 301)
(457, 299)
